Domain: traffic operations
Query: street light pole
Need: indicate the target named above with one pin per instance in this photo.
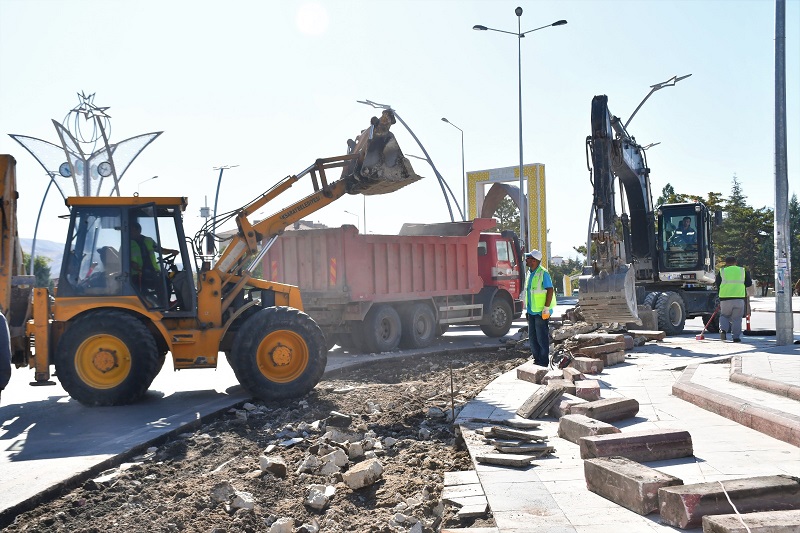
(442, 183)
(216, 197)
(463, 173)
(144, 181)
(520, 34)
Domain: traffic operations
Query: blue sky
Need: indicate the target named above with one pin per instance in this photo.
(271, 86)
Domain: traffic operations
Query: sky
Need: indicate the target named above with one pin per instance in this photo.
(271, 86)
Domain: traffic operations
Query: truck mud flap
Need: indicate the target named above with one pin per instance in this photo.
(609, 297)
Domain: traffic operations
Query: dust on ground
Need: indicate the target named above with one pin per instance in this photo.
(215, 478)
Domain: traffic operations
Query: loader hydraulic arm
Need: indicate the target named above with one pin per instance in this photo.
(374, 164)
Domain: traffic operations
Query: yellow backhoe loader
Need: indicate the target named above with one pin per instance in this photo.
(129, 291)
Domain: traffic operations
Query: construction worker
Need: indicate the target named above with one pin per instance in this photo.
(5, 353)
(144, 264)
(540, 299)
(732, 282)
(685, 235)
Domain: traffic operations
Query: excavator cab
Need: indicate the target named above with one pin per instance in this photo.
(119, 249)
(684, 241)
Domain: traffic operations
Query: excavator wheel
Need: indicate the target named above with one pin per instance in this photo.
(650, 299)
(279, 353)
(381, 329)
(671, 312)
(107, 357)
(419, 326)
(500, 318)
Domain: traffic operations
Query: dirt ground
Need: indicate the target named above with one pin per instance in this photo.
(212, 480)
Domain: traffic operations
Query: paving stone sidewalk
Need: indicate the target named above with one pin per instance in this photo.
(552, 496)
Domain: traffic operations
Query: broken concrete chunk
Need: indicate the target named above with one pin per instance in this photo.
(643, 446)
(319, 495)
(282, 525)
(339, 420)
(273, 464)
(363, 474)
(588, 365)
(608, 410)
(222, 492)
(243, 500)
(763, 522)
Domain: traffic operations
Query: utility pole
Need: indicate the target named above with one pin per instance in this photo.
(783, 253)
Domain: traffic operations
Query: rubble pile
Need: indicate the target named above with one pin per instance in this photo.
(368, 453)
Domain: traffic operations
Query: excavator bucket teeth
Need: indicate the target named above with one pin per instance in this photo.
(608, 297)
(380, 167)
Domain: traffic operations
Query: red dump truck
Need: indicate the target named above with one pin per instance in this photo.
(375, 292)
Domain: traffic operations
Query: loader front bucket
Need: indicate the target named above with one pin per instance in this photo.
(380, 167)
(607, 297)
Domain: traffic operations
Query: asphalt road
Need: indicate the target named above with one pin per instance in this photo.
(47, 439)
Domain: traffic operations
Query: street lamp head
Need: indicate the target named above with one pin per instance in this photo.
(518, 11)
(479, 27)
(559, 23)
(445, 120)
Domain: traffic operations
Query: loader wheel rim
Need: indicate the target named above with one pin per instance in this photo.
(103, 361)
(282, 356)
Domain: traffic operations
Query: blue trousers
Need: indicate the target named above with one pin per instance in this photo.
(539, 339)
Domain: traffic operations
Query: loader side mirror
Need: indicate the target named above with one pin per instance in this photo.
(717, 218)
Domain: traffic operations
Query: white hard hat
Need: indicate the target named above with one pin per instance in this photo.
(534, 254)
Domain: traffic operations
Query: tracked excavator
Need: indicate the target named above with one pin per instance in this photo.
(658, 257)
(123, 301)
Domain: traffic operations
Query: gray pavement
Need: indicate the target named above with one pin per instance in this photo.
(551, 496)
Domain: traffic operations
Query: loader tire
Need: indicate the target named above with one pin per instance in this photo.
(381, 329)
(419, 326)
(500, 318)
(279, 353)
(671, 312)
(107, 357)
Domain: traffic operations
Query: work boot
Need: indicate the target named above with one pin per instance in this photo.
(736, 339)
(723, 336)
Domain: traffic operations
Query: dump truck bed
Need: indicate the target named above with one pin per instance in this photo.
(341, 266)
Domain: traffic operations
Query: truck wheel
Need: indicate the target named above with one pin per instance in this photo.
(671, 312)
(500, 318)
(107, 358)
(419, 326)
(381, 329)
(279, 353)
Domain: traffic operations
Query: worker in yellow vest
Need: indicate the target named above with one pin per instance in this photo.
(540, 300)
(732, 282)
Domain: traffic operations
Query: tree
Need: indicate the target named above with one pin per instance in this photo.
(41, 270)
(747, 234)
(507, 215)
(566, 268)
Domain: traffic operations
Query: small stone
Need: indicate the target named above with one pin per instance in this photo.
(243, 500)
(282, 525)
(222, 492)
(273, 464)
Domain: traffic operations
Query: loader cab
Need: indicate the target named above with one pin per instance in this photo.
(684, 241)
(119, 247)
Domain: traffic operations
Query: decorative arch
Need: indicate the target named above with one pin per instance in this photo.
(504, 183)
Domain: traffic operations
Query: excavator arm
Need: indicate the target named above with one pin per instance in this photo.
(374, 164)
(607, 288)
